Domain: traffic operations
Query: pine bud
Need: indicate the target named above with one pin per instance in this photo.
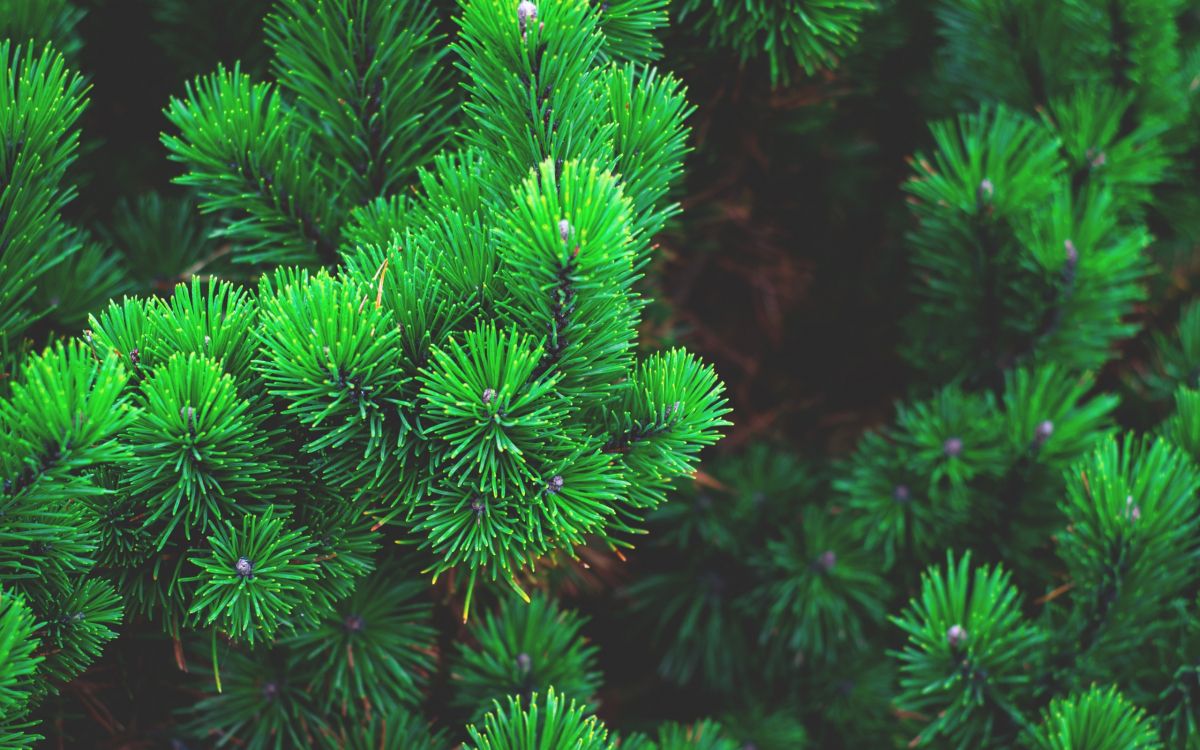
(827, 560)
(135, 356)
(901, 494)
(556, 484)
(1072, 253)
(478, 506)
(956, 636)
(244, 567)
(526, 12)
(488, 395)
(985, 191)
(564, 230)
(1132, 512)
(1043, 432)
(524, 663)
(354, 623)
(952, 447)
(270, 690)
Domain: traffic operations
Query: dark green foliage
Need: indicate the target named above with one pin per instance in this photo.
(1182, 428)
(371, 652)
(1026, 53)
(41, 22)
(1176, 357)
(1100, 719)
(1131, 510)
(395, 729)
(704, 735)
(1015, 267)
(77, 628)
(548, 722)
(86, 279)
(816, 589)
(967, 659)
(262, 704)
(780, 730)
(807, 34)
(980, 667)
(197, 34)
(700, 571)
(162, 241)
(907, 496)
(382, 631)
(522, 649)
(40, 103)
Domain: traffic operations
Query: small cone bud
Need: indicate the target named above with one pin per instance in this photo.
(1133, 512)
(956, 636)
(901, 493)
(488, 395)
(244, 567)
(526, 12)
(827, 560)
(986, 191)
(1043, 432)
(953, 447)
(564, 230)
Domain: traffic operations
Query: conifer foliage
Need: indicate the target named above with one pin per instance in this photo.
(794, 37)
(991, 567)
(452, 366)
(350, 432)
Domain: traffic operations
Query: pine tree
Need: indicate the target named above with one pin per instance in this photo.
(370, 474)
(454, 370)
(1062, 611)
